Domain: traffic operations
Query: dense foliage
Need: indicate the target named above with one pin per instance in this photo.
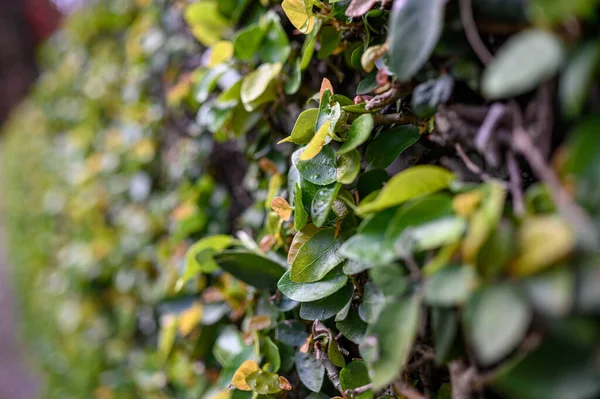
(312, 198)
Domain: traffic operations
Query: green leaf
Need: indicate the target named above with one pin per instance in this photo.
(410, 183)
(552, 292)
(444, 325)
(368, 245)
(373, 302)
(258, 87)
(359, 133)
(271, 352)
(386, 147)
(389, 278)
(415, 27)
(291, 332)
(316, 258)
(299, 240)
(523, 62)
(275, 46)
(497, 318)
(484, 220)
(388, 342)
(368, 84)
(334, 354)
(327, 307)
(543, 241)
(310, 370)
(300, 214)
(352, 327)
(251, 268)
(247, 41)
(555, 11)
(320, 170)
(308, 292)
(554, 370)
(263, 382)
(371, 181)
(574, 84)
(497, 251)
(348, 167)
(450, 286)
(308, 47)
(356, 375)
(322, 202)
(330, 39)
(303, 130)
(295, 79)
(205, 21)
(194, 266)
(430, 235)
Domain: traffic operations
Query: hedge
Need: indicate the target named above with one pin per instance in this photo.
(311, 198)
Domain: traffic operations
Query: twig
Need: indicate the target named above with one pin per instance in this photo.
(391, 119)
(570, 210)
(462, 379)
(468, 22)
(357, 391)
(407, 390)
(487, 127)
(515, 184)
(470, 164)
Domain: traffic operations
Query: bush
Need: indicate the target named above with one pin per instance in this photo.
(232, 199)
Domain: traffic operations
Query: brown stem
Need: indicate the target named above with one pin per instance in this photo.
(472, 166)
(466, 17)
(515, 184)
(359, 390)
(462, 379)
(394, 119)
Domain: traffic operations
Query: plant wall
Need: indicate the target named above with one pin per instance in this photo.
(312, 198)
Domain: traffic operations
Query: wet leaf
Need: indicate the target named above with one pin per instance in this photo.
(263, 382)
(299, 240)
(300, 214)
(322, 203)
(321, 169)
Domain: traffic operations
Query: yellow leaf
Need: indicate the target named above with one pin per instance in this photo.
(259, 322)
(465, 204)
(189, 318)
(282, 207)
(543, 241)
(205, 21)
(299, 15)
(315, 144)
(239, 378)
(222, 51)
(325, 84)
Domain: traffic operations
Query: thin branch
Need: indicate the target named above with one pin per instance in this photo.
(486, 129)
(408, 391)
(470, 164)
(515, 184)
(568, 208)
(391, 119)
(468, 22)
(462, 379)
(357, 391)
